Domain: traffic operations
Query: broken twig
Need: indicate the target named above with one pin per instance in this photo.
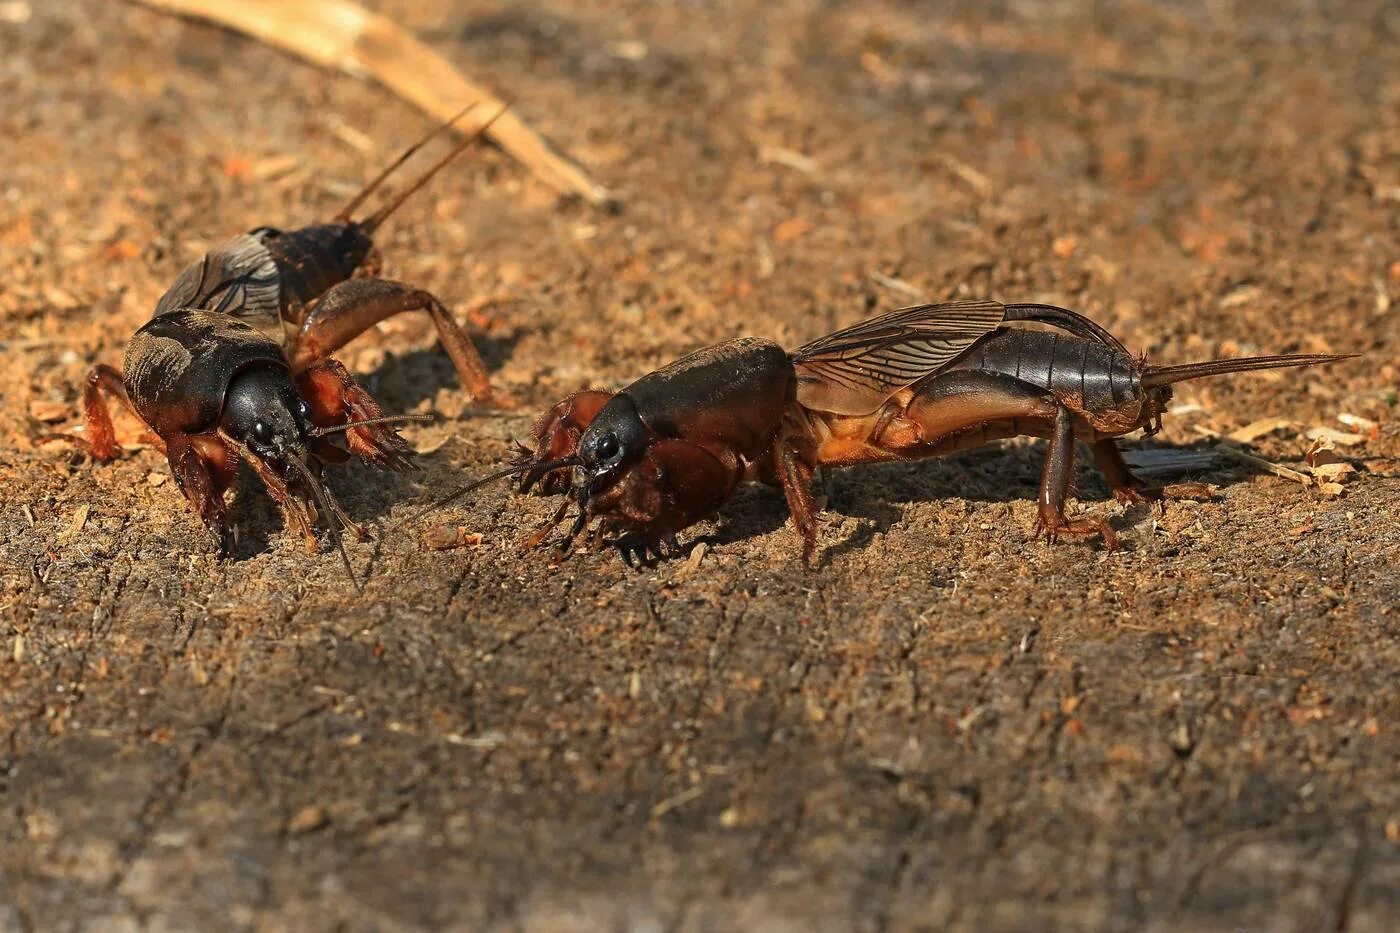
(344, 35)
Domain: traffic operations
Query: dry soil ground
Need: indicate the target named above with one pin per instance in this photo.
(950, 725)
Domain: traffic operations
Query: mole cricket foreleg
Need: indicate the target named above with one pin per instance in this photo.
(336, 398)
(204, 469)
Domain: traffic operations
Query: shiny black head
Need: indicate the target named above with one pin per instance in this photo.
(615, 438)
(263, 411)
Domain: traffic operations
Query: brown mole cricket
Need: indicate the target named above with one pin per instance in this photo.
(644, 463)
(234, 365)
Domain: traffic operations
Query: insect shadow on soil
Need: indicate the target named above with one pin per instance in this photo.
(405, 380)
(1006, 473)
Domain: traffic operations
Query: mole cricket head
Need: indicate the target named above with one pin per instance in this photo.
(264, 412)
(616, 438)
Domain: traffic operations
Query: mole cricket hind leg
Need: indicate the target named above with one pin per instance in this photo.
(354, 306)
(101, 440)
(336, 398)
(1129, 490)
(948, 407)
(1054, 485)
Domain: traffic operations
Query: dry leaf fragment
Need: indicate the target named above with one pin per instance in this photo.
(1332, 470)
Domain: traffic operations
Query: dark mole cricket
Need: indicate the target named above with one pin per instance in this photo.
(215, 389)
(669, 449)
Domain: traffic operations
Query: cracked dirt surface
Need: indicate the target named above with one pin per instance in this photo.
(950, 725)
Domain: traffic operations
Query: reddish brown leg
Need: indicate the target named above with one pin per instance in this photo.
(336, 398)
(949, 412)
(556, 436)
(294, 510)
(101, 440)
(204, 469)
(676, 484)
(1129, 490)
(354, 306)
(1054, 484)
(794, 472)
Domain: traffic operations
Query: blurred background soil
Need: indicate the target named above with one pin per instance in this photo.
(950, 725)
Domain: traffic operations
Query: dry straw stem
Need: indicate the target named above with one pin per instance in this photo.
(343, 35)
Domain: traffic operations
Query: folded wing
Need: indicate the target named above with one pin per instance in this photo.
(238, 277)
(854, 371)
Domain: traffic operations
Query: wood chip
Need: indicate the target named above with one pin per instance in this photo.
(80, 518)
(1267, 465)
(671, 803)
(1356, 421)
(1344, 438)
(1257, 429)
(967, 173)
(308, 819)
(1163, 461)
(447, 537)
(344, 35)
(791, 229)
(267, 169)
(49, 412)
(776, 155)
(898, 285)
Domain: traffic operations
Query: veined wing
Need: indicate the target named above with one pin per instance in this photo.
(853, 371)
(238, 277)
